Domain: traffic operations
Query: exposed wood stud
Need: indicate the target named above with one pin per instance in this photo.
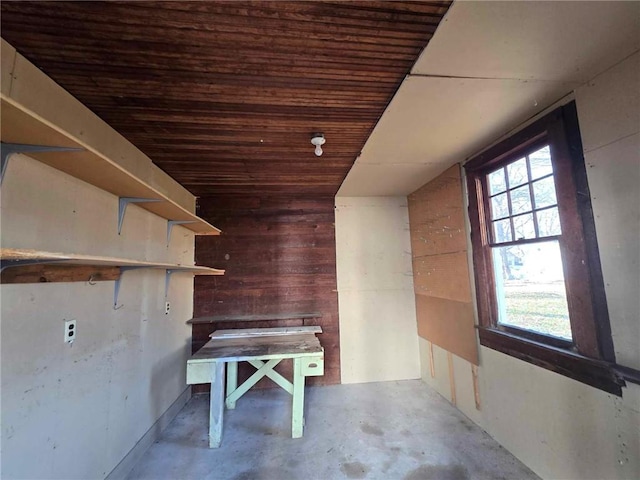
(476, 389)
(432, 367)
(452, 378)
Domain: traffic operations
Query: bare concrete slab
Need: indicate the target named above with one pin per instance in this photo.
(390, 430)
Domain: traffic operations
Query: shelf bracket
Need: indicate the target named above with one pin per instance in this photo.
(171, 223)
(122, 207)
(116, 288)
(167, 280)
(8, 149)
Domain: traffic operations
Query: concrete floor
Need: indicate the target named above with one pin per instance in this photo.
(391, 430)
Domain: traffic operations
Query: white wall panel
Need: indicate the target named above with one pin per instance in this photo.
(378, 332)
(80, 408)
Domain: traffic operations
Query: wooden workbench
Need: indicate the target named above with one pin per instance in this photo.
(263, 348)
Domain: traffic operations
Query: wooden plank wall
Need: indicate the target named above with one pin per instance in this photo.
(280, 257)
(444, 306)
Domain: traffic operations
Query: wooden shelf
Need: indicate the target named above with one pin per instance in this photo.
(21, 126)
(254, 318)
(15, 257)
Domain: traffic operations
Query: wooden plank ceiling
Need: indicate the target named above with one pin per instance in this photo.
(224, 96)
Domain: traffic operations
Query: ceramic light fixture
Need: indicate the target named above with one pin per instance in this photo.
(318, 140)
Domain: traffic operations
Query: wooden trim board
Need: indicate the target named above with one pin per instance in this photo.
(59, 273)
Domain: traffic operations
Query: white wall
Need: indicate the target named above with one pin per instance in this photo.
(559, 427)
(74, 411)
(609, 115)
(378, 330)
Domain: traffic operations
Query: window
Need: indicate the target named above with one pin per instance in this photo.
(539, 285)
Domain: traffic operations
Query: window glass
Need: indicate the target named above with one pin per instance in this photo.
(499, 206)
(523, 227)
(497, 182)
(549, 222)
(544, 192)
(540, 162)
(517, 172)
(530, 288)
(520, 200)
(502, 231)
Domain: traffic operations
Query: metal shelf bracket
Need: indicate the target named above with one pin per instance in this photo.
(122, 207)
(171, 223)
(167, 280)
(8, 149)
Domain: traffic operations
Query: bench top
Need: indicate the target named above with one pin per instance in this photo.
(260, 343)
(264, 332)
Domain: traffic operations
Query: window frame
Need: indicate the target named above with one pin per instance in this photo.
(589, 357)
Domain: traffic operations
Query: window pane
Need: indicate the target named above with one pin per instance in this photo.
(530, 288)
(540, 162)
(549, 222)
(502, 231)
(520, 200)
(517, 173)
(523, 226)
(544, 192)
(497, 182)
(499, 206)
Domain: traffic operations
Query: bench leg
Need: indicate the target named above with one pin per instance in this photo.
(216, 404)
(232, 382)
(297, 416)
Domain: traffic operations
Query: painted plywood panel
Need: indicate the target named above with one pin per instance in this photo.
(448, 324)
(434, 122)
(559, 427)
(7, 59)
(378, 338)
(609, 105)
(609, 114)
(566, 41)
(126, 367)
(371, 257)
(616, 168)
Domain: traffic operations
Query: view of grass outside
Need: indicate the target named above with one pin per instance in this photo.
(540, 307)
(530, 288)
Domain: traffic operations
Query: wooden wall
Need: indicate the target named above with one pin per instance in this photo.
(280, 257)
(444, 308)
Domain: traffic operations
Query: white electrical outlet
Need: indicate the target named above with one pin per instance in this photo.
(167, 306)
(70, 329)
